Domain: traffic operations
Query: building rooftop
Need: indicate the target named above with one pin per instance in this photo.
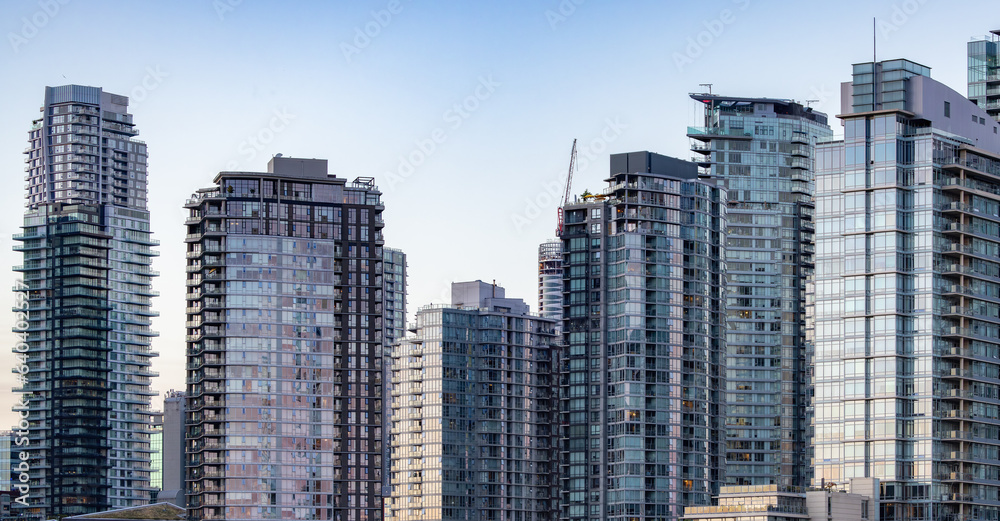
(296, 167)
(646, 162)
(87, 95)
(779, 107)
(291, 168)
(154, 511)
(477, 293)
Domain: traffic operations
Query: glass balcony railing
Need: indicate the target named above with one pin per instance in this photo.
(713, 131)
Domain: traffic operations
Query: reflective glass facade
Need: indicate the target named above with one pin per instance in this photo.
(642, 372)
(761, 150)
(156, 454)
(473, 416)
(394, 271)
(907, 359)
(882, 85)
(550, 284)
(984, 73)
(285, 339)
(86, 294)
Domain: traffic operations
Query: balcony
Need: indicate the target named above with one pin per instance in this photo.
(709, 133)
(801, 163)
(699, 148)
(800, 137)
(800, 150)
(956, 414)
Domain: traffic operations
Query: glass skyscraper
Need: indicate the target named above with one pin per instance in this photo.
(643, 370)
(86, 290)
(285, 342)
(984, 73)
(472, 412)
(761, 150)
(907, 356)
(394, 271)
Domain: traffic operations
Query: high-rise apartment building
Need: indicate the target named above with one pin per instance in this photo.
(907, 356)
(285, 340)
(86, 290)
(761, 150)
(473, 412)
(394, 272)
(984, 73)
(644, 323)
(550, 283)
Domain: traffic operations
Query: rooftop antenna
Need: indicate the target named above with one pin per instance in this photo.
(709, 85)
(809, 102)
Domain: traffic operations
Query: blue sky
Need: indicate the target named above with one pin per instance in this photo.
(464, 112)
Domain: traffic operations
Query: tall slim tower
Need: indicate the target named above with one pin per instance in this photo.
(285, 343)
(87, 252)
(395, 295)
(984, 73)
(642, 374)
(907, 356)
(394, 271)
(761, 150)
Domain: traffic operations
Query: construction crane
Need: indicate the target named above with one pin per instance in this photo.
(569, 185)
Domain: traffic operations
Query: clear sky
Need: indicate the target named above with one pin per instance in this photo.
(464, 112)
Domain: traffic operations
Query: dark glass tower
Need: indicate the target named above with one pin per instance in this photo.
(285, 345)
(644, 320)
(86, 246)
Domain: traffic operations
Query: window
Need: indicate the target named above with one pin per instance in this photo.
(947, 109)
